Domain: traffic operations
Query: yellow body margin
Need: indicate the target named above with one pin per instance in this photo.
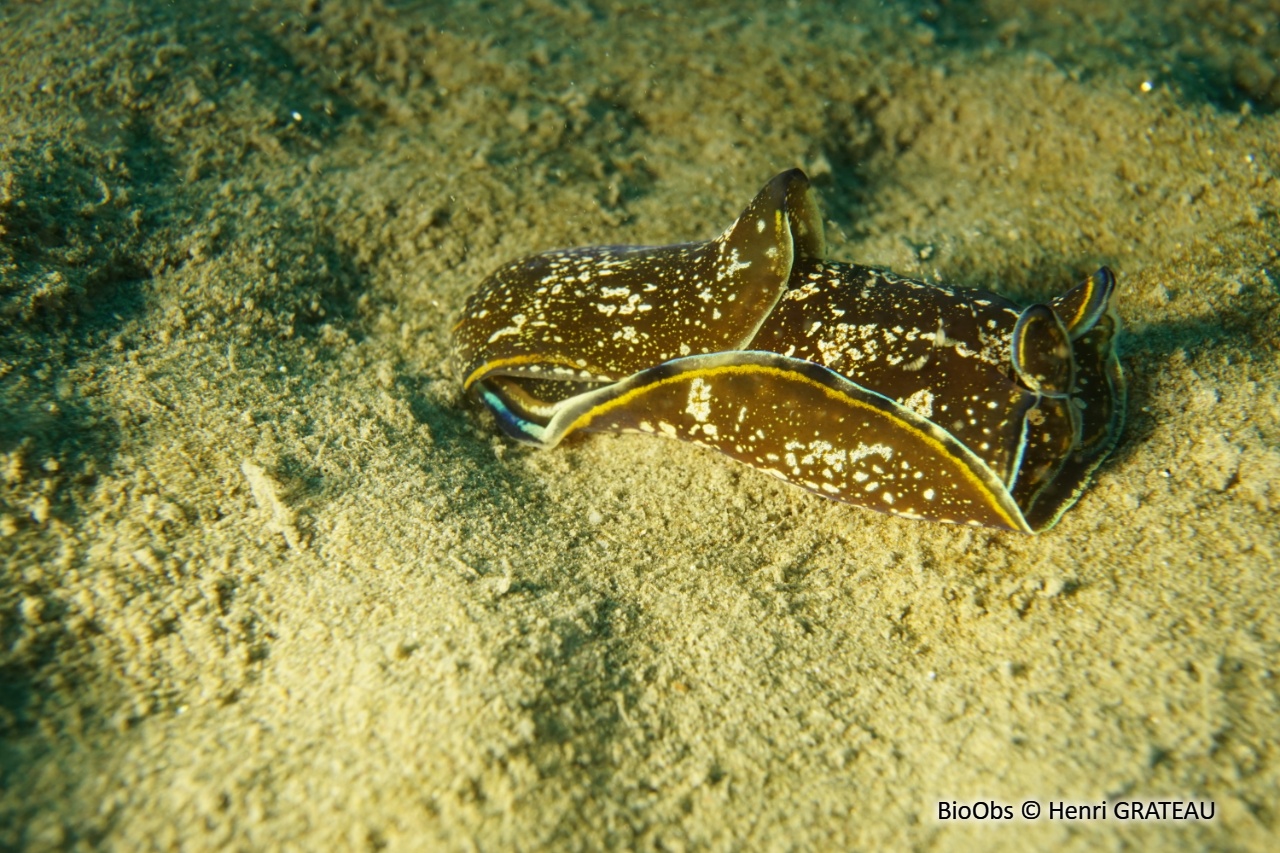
(1084, 305)
(966, 466)
(516, 360)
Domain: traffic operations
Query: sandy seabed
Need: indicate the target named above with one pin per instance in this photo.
(269, 582)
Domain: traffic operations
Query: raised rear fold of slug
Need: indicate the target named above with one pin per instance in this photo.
(920, 400)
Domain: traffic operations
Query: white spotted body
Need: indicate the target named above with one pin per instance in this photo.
(909, 398)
